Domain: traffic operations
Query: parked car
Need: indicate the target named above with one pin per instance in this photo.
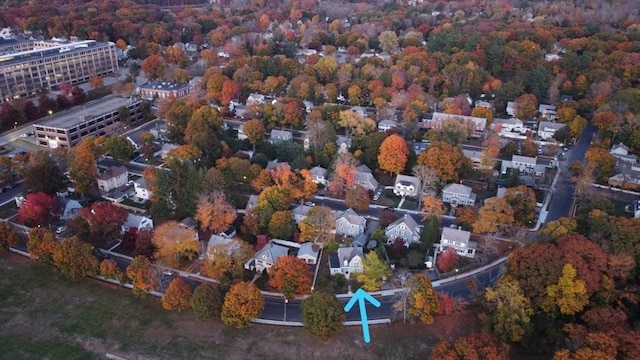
(168, 273)
(61, 229)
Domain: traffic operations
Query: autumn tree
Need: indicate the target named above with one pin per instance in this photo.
(455, 132)
(144, 244)
(444, 159)
(227, 260)
(105, 221)
(466, 216)
(8, 236)
(119, 148)
(602, 163)
(509, 311)
(559, 228)
(393, 154)
(374, 272)
(41, 244)
(568, 295)
(526, 106)
(496, 214)
(423, 301)
(148, 147)
(473, 346)
(254, 129)
(318, 226)
(427, 179)
(142, 275)
(432, 205)
(83, 170)
(243, 303)
(357, 198)
(38, 209)
(291, 276)
(74, 259)
(447, 259)
(529, 148)
(154, 66)
(206, 302)
(175, 243)
(355, 123)
(110, 270)
(388, 41)
(42, 174)
(522, 200)
(177, 296)
(215, 213)
(322, 314)
(344, 174)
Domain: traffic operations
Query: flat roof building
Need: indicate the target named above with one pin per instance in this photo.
(27, 67)
(68, 128)
(163, 90)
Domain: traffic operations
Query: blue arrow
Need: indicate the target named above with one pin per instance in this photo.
(360, 296)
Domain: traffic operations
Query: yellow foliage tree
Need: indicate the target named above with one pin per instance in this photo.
(215, 213)
(569, 295)
(177, 296)
(174, 242)
(496, 214)
(243, 302)
(393, 154)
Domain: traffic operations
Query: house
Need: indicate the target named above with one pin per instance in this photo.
(138, 222)
(459, 240)
(420, 146)
(405, 228)
(280, 136)
(266, 257)
(309, 253)
(636, 209)
(251, 203)
(629, 181)
(349, 223)
(189, 223)
(360, 240)
(141, 189)
(319, 175)
(406, 185)
(506, 126)
(360, 110)
(458, 195)
(476, 158)
(299, 213)
(621, 152)
(512, 108)
(71, 209)
(547, 112)
(220, 245)
(437, 121)
(346, 261)
(164, 151)
(547, 129)
(524, 164)
(386, 125)
(113, 178)
(364, 178)
(255, 99)
(483, 104)
(229, 233)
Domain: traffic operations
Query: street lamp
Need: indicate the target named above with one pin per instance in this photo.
(286, 301)
(50, 112)
(456, 277)
(15, 124)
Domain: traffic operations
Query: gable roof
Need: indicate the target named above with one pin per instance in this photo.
(456, 235)
(407, 180)
(318, 171)
(271, 252)
(363, 169)
(309, 249)
(112, 172)
(407, 220)
(550, 126)
(301, 210)
(456, 188)
(620, 148)
(348, 253)
(135, 221)
(351, 216)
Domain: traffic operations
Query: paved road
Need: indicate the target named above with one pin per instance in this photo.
(563, 196)
(11, 194)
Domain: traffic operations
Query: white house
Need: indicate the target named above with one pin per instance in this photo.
(547, 111)
(319, 175)
(266, 257)
(257, 99)
(483, 104)
(524, 164)
(405, 228)
(364, 178)
(385, 125)
(437, 121)
(280, 136)
(141, 189)
(547, 129)
(505, 126)
(406, 185)
(138, 222)
(113, 178)
(458, 195)
(621, 152)
(299, 213)
(349, 223)
(459, 240)
(164, 151)
(346, 261)
(512, 108)
(220, 245)
(309, 253)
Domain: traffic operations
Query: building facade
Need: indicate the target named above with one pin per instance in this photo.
(163, 90)
(68, 128)
(27, 67)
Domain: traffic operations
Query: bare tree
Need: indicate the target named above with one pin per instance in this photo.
(403, 283)
(427, 178)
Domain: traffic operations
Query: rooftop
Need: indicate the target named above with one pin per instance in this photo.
(44, 49)
(112, 172)
(79, 114)
(163, 85)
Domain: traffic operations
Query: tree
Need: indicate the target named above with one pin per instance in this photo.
(42, 174)
(143, 276)
(206, 303)
(148, 146)
(318, 226)
(522, 200)
(447, 259)
(82, 170)
(509, 311)
(455, 131)
(74, 259)
(473, 346)
(529, 148)
(291, 275)
(388, 41)
(466, 216)
(568, 295)
(41, 244)
(355, 123)
(403, 284)
(215, 213)
(110, 270)
(357, 198)
(430, 233)
(177, 296)
(423, 301)
(144, 244)
(432, 206)
(393, 154)
(119, 148)
(37, 209)
(374, 272)
(526, 106)
(105, 221)
(243, 302)
(444, 159)
(344, 175)
(427, 179)
(254, 129)
(154, 66)
(602, 163)
(281, 225)
(174, 243)
(496, 214)
(8, 236)
(322, 314)
(559, 228)
(227, 260)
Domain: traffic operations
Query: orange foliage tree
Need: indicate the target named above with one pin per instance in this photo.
(473, 346)
(432, 205)
(291, 275)
(41, 244)
(177, 296)
(215, 213)
(496, 214)
(393, 154)
(73, 258)
(447, 259)
(110, 270)
(143, 276)
(444, 159)
(357, 198)
(243, 302)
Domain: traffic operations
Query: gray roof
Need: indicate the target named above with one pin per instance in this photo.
(360, 240)
(456, 188)
(407, 220)
(407, 180)
(84, 113)
(309, 249)
(524, 159)
(301, 210)
(549, 126)
(111, 172)
(163, 85)
(189, 223)
(351, 216)
(141, 183)
(349, 253)
(271, 252)
(318, 171)
(455, 235)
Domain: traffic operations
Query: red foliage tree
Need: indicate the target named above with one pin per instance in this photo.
(105, 221)
(589, 260)
(447, 259)
(144, 244)
(291, 275)
(447, 304)
(386, 217)
(397, 248)
(261, 241)
(37, 209)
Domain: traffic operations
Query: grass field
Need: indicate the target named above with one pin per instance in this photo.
(43, 316)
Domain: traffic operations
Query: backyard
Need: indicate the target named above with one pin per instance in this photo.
(44, 316)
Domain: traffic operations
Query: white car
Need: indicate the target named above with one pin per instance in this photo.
(61, 229)
(168, 273)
